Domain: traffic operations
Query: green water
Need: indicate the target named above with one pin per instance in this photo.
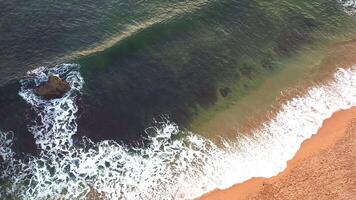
(227, 117)
(207, 65)
(141, 60)
(196, 64)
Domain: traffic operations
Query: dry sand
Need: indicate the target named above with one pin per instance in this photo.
(323, 168)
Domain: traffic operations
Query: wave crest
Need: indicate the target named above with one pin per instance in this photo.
(175, 165)
(349, 6)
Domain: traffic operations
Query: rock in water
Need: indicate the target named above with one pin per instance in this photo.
(53, 88)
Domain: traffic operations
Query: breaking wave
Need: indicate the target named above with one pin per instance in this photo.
(175, 165)
(349, 6)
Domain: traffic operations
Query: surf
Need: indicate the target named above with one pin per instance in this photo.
(176, 164)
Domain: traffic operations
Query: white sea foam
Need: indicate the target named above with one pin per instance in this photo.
(349, 6)
(176, 164)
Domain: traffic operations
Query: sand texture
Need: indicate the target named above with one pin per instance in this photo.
(323, 168)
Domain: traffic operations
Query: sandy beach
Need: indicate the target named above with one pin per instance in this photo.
(323, 168)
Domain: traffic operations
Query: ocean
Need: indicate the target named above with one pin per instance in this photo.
(141, 73)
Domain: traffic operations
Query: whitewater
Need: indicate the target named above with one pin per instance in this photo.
(176, 164)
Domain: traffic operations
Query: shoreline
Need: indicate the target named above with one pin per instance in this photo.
(250, 110)
(333, 130)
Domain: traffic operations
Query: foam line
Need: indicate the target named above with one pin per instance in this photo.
(349, 6)
(176, 164)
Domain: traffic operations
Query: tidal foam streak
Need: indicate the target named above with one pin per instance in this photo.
(176, 164)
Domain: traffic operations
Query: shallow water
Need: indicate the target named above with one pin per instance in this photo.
(182, 66)
(176, 164)
(135, 61)
(311, 66)
(142, 60)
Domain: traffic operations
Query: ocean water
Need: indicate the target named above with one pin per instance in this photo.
(173, 162)
(183, 65)
(145, 59)
(176, 164)
(36, 33)
(349, 5)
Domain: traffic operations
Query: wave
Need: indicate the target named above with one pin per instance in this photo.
(172, 14)
(177, 24)
(349, 6)
(175, 165)
(166, 14)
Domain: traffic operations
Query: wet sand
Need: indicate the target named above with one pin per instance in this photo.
(323, 168)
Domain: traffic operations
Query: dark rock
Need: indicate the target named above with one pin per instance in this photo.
(225, 91)
(267, 63)
(53, 88)
(295, 33)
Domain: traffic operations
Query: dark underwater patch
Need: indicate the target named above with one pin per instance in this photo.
(179, 66)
